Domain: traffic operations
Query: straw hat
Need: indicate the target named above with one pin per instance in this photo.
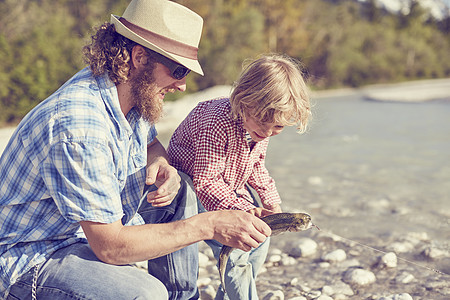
(165, 27)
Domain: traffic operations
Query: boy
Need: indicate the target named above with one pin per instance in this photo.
(222, 145)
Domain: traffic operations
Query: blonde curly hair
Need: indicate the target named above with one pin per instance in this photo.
(272, 89)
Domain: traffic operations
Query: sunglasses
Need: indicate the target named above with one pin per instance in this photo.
(176, 70)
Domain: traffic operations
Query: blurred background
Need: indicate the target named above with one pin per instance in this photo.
(342, 43)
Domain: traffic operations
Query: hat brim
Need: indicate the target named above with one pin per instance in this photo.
(191, 64)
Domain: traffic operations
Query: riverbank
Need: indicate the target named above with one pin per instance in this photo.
(323, 266)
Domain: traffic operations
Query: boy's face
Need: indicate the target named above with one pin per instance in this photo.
(260, 131)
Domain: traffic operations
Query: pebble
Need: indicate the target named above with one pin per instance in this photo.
(433, 253)
(337, 255)
(341, 288)
(403, 296)
(304, 247)
(401, 247)
(203, 260)
(315, 180)
(275, 295)
(319, 268)
(359, 277)
(324, 297)
(404, 278)
(207, 293)
(388, 260)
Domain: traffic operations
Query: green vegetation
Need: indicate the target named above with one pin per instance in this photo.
(341, 43)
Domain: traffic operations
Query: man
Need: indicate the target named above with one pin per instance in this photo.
(72, 176)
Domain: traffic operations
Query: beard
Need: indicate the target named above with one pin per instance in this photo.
(144, 91)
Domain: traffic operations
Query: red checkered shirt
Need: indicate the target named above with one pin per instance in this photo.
(211, 147)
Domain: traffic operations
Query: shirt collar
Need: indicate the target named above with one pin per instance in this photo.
(108, 91)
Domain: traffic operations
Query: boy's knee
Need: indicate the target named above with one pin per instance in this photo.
(187, 195)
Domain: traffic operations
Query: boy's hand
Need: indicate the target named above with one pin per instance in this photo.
(260, 212)
(276, 208)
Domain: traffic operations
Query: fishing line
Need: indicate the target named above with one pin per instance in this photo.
(374, 249)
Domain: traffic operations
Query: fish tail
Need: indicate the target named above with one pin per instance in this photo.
(223, 260)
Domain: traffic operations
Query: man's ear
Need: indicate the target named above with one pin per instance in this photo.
(139, 56)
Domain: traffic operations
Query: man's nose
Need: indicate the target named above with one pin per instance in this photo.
(181, 84)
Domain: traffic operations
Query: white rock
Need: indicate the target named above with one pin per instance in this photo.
(207, 293)
(204, 281)
(335, 256)
(274, 258)
(203, 260)
(404, 296)
(404, 278)
(298, 298)
(324, 264)
(421, 236)
(341, 288)
(388, 260)
(432, 252)
(359, 277)
(274, 295)
(275, 251)
(327, 290)
(314, 294)
(401, 247)
(324, 297)
(208, 252)
(302, 248)
(315, 180)
(304, 288)
(350, 263)
(288, 261)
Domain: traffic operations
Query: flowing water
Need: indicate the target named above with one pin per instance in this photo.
(368, 169)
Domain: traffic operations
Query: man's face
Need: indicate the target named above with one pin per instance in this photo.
(148, 88)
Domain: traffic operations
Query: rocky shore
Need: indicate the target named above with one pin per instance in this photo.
(323, 266)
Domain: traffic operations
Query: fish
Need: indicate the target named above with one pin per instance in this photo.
(279, 223)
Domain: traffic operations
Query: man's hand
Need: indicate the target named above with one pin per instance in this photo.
(239, 229)
(161, 174)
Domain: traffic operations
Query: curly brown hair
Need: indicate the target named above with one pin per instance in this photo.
(109, 52)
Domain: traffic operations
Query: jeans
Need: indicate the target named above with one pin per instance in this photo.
(178, 270)
(241, 270)
(74, 272)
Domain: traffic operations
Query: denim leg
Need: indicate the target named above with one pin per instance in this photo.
(242, 268)
(74, 272)
(178, 270)
(241, 271)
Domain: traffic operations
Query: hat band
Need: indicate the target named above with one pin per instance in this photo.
(167, 44)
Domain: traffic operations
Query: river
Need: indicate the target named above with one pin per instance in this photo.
(369, 169)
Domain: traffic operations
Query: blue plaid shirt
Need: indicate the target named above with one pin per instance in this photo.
(75, 157)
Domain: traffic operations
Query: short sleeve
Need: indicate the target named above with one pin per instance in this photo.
(80, 177)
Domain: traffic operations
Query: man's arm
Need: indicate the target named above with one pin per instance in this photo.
(162, 174)
(118, 244)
